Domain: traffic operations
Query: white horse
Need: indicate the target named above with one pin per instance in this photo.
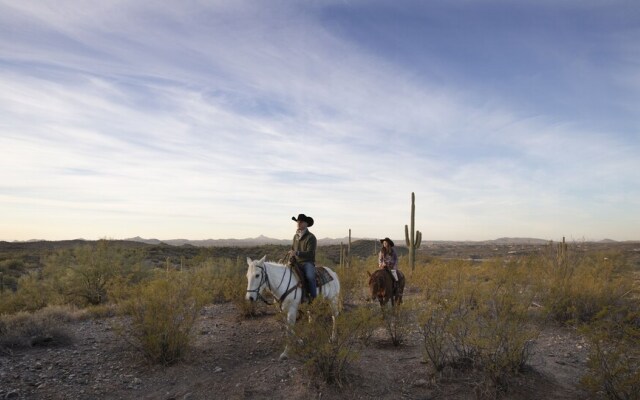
(283, 284)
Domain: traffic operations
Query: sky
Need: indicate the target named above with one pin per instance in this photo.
(204, 119)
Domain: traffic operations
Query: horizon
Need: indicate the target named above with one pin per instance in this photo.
(400, 241)
(225, 119)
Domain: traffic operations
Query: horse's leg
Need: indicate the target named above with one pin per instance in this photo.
(335, 310)
(291, 320)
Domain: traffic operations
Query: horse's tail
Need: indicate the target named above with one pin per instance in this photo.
(400, 287)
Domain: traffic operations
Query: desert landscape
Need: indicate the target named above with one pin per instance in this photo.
(93, 351)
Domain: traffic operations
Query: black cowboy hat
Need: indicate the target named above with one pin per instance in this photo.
(302, 217)
(387, 240)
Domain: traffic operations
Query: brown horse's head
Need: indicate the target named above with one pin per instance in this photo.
(380, 286)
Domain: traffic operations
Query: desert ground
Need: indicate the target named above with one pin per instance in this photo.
(235, 357)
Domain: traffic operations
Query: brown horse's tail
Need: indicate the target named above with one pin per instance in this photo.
(400, 287)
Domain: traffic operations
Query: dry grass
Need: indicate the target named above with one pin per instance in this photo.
(45, 327)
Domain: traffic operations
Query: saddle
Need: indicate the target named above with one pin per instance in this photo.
(394, 283)
(322, 277)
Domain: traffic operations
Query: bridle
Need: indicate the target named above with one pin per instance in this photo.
(264, 279)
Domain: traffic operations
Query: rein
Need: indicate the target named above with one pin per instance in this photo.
(264, 278)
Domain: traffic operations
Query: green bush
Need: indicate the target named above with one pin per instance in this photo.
(89, 274)
(32, 294)
(10, 272)
(353, 279)
(163, 314)
(398, 321)
(477, 317)
(312, 344)
(614, 359)
(574, 286)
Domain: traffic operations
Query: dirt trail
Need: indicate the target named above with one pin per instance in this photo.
(236, 358)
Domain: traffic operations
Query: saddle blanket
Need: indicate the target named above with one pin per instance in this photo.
(322, 276)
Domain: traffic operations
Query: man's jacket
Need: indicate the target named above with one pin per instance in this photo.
(305, 247)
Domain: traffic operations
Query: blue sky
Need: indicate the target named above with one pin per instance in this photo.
(222, 119)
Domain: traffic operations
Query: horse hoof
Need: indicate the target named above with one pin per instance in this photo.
(283, 357)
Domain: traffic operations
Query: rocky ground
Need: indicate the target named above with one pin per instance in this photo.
(236, 358)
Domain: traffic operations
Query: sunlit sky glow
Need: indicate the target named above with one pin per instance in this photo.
(222, 119)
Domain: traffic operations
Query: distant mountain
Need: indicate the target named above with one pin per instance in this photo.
(258, 241)
(248, 242)
(507, 240)
(142, 240)
(264, 240)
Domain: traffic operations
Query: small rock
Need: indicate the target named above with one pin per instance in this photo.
(217, 369)
(421, 383)
(12, 394)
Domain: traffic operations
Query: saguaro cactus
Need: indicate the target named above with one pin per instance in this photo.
(562, 252)
(413, 238)
(349, 250)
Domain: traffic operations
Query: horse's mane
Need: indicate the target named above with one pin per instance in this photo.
(378, 276)
(275, 264)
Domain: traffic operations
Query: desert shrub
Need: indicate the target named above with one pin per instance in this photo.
(353, 279)
(10, 272)
(575, 286)
(368, 319)
(398, 321)
(504, 339)
(434, 327)
(163, 314)
(90, 274)
(32, 294)
(222, 280)
(45, 327)
(614, 359)
(477, 317)
(312, 344)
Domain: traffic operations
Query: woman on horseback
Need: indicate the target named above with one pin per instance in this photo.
(388, 259)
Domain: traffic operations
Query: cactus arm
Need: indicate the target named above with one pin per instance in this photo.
(406, 235)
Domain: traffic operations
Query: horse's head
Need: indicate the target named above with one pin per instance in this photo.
(376, 286)
(256, 278)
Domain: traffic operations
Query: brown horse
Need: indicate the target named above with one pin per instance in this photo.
(381, 287)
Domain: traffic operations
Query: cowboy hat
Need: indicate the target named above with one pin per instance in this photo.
(387, 240)
(302, 217)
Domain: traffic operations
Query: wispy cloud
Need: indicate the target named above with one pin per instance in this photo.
(219, 120)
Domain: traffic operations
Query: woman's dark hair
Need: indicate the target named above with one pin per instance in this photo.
(387, 250)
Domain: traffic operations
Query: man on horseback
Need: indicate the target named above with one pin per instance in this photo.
(388, 259)
(303, 251)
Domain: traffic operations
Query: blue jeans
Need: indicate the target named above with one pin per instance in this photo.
(309, 271)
